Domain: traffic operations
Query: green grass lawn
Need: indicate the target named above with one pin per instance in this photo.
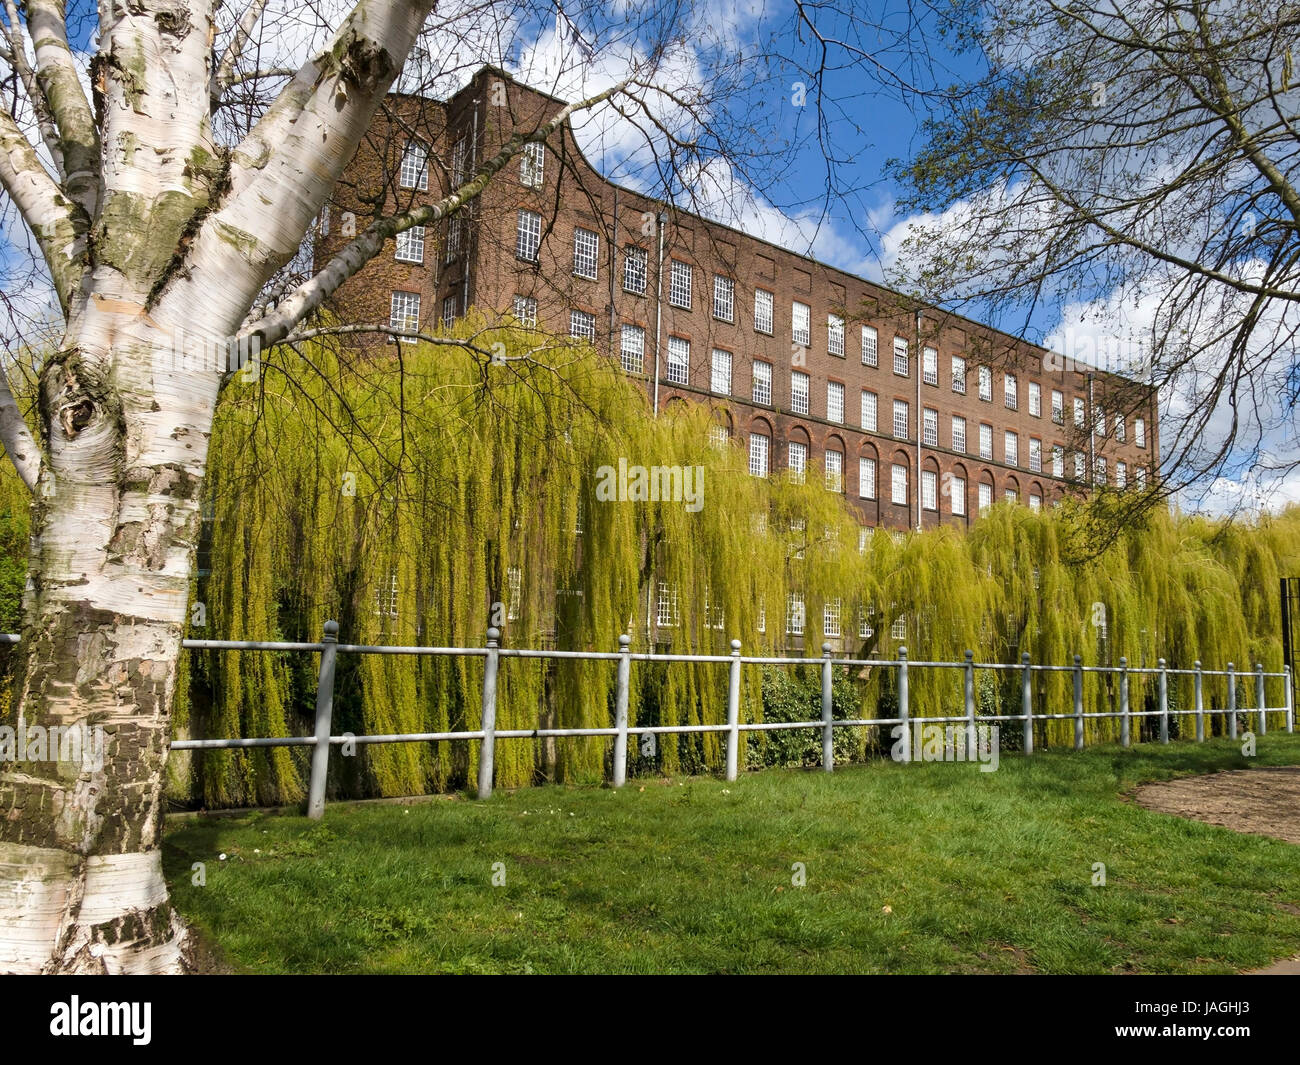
(916, 869)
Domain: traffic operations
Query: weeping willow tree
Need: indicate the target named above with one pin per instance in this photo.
(420, 496)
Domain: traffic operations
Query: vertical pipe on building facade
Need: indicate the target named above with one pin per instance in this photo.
(1090, 429)
(659, 306)
(613, 265)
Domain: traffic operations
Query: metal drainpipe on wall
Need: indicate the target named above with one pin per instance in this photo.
(659, 306)
(918, 361)
(469, 228)
(613, 265)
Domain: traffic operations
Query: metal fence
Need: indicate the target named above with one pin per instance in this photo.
(329, 649)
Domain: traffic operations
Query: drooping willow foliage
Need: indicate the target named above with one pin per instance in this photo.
(418, 495)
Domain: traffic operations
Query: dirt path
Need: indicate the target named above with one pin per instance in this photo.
(1262, 802)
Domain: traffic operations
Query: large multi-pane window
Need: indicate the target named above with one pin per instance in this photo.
(930, 427)
(986, 384)
(1080, 465)
(798, 392)
(1121, 432)
(866, 478)
(959, 374)
(834, 471)
(902, 362)
(404, 312)
(719, 437)
(1035, 455)
(758, 448)
(1098, 422)
(459, 160)
(679, 360)
(586, 252)
(901, 418)
(679, 284)
(957, 494)
(835, 335)
(834, 401)
(532, 165)
(870, 349)
(794, 614)
(528, 235)
(1058, 461)
(796, 460)
(631, 349)
(720, 378)
(525, 311)
(930, 366)
(1139, 432)
(1058, 407)
(1009, 390)
(986, 442)
(1079, 414)
(1140, 477)
(801, 323)
(959, 433)
(724, 298)
(1035, 399)
(1011, 448)
(898, 484)
(667, 606)
(762, 392)
(762, 311)
(448, 312)
(634, 270)
(986, 497)
(414, 171)
(831, 610)
(1121, 475)
(453, 238)
(410, 245)
(582, 325)
(1099, 470)
(870, 413)
(929, 490)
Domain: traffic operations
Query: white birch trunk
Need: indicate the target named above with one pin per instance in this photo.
(179, 247)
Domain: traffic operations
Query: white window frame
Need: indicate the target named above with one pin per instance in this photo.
(720, 372)
(413, 173)
(532, 164)
(404, 313)
(801, 323)
(800, 386)
(986, 384)
(959, 375)
(833, 466)
(898, 485)
(902, 419)
(680, 284)
(870, 346)
(410, 245)
(525, 311)
(635, 265)
(902, 357)
(929, 490)
(760, 446)
(763, 303)
(929, 427)
(631, 348)
(866, 478)
(761, 390)
(586, 253)
(582, 325)
(930, 365)
(679, 360)
(724, 298)
(835, 335)
(835, 402)
(959, 434)
(869, 412)
(528, 235)
(796, 460)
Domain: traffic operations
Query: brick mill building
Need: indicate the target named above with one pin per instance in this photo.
(916, 415)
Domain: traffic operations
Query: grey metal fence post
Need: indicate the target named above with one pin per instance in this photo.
(620, 710)
(487, 746)
(1200, 706)
(903, 708)
(1290, 699)
(1078, 702)
(1027, 700)
(1164, 703)
(968, 692)
(733, 713)
(320, 755)
(1259, 697)
(1232, 703)
(1125, 735)
(828, 707)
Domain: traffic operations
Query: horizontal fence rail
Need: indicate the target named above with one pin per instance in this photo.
(487, 734)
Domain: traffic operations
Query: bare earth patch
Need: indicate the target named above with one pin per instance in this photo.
(1262, 802)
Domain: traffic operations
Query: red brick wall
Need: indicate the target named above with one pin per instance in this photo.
(488, 275)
